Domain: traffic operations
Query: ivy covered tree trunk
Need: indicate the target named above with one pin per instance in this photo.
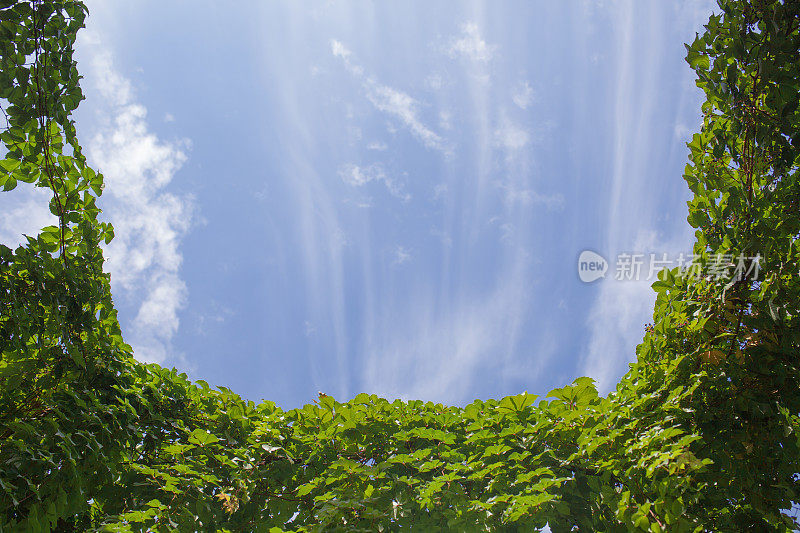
(701, 434)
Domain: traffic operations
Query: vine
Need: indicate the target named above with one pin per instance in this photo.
(700, 435)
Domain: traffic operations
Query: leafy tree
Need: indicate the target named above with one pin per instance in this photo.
(700, 435)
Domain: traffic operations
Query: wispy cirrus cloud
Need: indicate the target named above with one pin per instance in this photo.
(634, 225)
(436, 349)
(617, 317)
(391, 101)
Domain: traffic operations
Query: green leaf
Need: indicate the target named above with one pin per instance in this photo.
(201, 437)
(9, 183)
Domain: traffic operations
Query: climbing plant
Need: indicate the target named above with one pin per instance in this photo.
(700, 435)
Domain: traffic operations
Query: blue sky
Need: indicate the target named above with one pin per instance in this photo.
(384, 197)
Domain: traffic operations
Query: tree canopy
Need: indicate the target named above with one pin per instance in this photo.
(700, 435)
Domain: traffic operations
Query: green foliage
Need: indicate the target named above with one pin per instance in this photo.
(700, 435)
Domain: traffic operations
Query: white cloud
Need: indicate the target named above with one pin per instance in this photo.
(158, 313)
(529, 197)
(339, 50)
(510, 136)
(405, 108)
(507, 232)
(440, 191)
(445, 120)
(471, 45)
(215, 314)
(144, 259)
(523, 95)
(377, 146)
(113, 87)
(401, 255)
(361, 203)
(358, 176)
(391, 101)
(24, 211)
